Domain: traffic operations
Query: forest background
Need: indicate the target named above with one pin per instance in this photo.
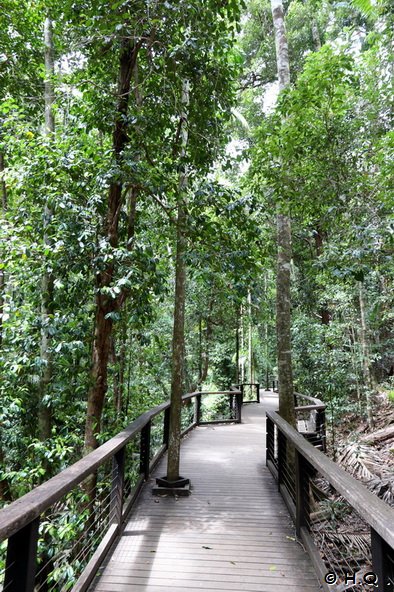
(133, 130)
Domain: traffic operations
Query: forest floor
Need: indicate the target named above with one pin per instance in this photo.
(367, 454)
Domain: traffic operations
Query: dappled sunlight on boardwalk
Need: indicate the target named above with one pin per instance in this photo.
(232, 533)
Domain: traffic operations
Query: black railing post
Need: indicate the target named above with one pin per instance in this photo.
(321, 427)
(238, 405)
(380, 567)
(197, 409)
(231, 405)
(20, 567)
(257, 392)
(166, 427)
(302, 475)
(281, 457)
(269, 441)
(116, 505)
(145, 450)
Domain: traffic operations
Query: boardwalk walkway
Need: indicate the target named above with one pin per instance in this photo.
(233, 533)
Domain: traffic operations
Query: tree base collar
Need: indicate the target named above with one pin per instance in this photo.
(179, 487)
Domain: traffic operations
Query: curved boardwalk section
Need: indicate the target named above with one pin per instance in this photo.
(232, 533)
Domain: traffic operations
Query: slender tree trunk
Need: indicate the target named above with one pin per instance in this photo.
(366, 356)
(199, 349)
(242, 339)
(4, 204)
(105, 304)
(283, 321)
(178, 339)
(5, 489)
(47, 280)
(204, 345)
(355, 363)
(266, 347)
(283, 302)
(4, 198)
(319, 241)
(250, 341)
(237, 348)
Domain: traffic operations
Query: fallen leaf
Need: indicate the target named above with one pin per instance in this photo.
(204, 547)
(233, 562)
(291, 538)
(272, 568)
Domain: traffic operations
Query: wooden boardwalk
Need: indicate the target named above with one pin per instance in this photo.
(232, 533)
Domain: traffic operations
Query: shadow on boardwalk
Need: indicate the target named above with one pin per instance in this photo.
(232, 533)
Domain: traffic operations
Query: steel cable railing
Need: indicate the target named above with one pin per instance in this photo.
(347, 530)
(54, 538)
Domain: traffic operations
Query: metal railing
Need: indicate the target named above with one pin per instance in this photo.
(250, 391)
(55, 537)
(347, 530)
(311, 419)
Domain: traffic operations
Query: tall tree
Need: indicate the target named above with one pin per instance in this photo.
(47, 280)
(107, 303)
(283, 296)
(178, 339)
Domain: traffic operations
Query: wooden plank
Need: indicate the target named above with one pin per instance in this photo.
(233, 533)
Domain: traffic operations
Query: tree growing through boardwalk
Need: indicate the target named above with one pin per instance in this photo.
(178, 339)
(283, 295)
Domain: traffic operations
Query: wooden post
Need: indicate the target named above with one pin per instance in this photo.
(21, 559)
(116, 504)
(145, 450)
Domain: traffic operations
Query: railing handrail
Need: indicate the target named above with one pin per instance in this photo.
(30, 506)
(375, 511)
(316, 403)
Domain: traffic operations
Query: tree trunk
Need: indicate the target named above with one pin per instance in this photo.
(47, 280)
(4, 200)
(4, 203)
(319, 238)
(242, 340)
(368, 380)
(283, 308)
(106, 305)
(237, 348)
(283, 321)
(178, 339)
(250, 341)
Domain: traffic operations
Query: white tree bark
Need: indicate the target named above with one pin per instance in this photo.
(178, 338)
(44, 406)
(283, 299)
